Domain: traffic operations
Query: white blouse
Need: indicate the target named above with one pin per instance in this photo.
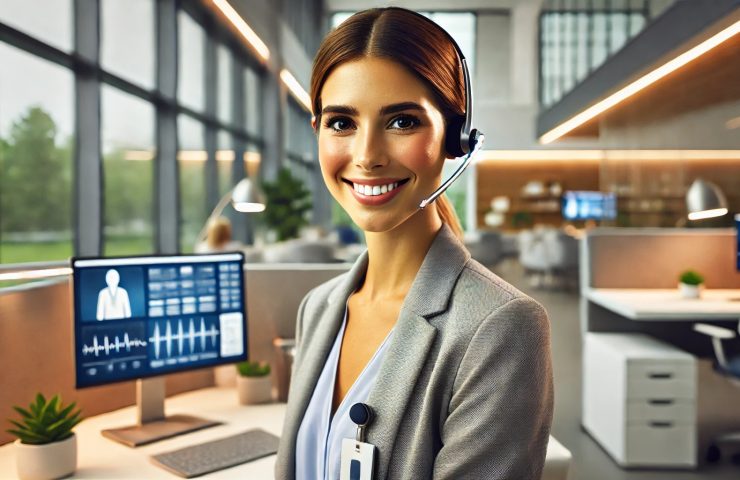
(319, 440)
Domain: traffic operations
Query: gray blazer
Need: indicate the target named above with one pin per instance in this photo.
(465, 388)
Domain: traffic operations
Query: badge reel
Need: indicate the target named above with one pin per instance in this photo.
(358, 457)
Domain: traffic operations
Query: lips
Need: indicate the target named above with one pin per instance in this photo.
(374, 192)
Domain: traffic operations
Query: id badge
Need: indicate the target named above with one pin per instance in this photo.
(358, 460)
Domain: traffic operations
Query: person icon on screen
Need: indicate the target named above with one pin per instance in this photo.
(113, 300)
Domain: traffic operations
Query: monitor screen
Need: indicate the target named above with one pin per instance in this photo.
(139, 317)
(587, 205)
(737, 241)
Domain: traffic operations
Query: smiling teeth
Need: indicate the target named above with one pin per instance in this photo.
(372, 191)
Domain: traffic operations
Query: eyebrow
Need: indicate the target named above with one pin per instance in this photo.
(386, 110)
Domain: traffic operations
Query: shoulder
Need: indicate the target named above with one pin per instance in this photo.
(483, 300)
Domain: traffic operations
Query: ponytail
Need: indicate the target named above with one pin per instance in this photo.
(448, 215)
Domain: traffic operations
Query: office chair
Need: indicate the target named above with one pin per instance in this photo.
(729, 368)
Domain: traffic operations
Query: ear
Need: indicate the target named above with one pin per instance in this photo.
(313, 122)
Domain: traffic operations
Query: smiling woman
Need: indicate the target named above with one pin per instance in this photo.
(453, 361)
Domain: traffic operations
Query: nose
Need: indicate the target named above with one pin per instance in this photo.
(369, 152)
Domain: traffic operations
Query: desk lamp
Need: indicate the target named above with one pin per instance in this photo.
(246, 197)
(705, 200)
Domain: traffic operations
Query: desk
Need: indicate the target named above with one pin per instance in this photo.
(99, 457)
(654, 304)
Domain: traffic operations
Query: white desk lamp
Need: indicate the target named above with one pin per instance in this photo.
(246, 197)
(705, 200)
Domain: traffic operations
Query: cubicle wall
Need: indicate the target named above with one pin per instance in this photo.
(36, 344)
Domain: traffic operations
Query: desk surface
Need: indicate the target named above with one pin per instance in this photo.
(99, 457)
(653, 304)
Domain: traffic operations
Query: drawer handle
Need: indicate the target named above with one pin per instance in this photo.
(658, 401)
(660, 376)
(661, 424)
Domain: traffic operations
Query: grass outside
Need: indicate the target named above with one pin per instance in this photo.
(15, 252)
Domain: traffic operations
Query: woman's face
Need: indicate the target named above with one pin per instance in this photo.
(380, 141)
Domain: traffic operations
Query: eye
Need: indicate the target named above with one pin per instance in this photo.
(338, 124)
(405, 122)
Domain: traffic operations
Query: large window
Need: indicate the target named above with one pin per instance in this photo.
(36, 148)
(47, 20)
(191, 65)
(577, 36)
(192, 171)
(127, 39)
(128, 154)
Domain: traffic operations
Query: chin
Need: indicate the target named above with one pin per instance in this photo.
(378, 222)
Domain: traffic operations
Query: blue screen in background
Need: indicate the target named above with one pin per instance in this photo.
(147, 316)
(586, 205)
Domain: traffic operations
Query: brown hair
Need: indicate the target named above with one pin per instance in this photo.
(219, 232)
(406, 38)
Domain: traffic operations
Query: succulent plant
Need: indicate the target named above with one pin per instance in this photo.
(253, 369)
(690, 277)
(45, 422)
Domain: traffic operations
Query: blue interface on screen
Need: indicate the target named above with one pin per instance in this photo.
(145, 316)
(587, 205)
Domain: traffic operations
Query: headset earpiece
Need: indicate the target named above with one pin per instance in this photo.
(454, 137)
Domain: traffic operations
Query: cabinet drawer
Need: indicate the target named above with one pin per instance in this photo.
(660, 445)
(678, 411)
(661, 380)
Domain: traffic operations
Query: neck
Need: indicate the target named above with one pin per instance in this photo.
(395, 256)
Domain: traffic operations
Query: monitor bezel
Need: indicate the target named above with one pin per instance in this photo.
(73, 304)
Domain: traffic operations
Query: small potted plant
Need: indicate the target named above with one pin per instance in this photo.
(253, 383)
(690, 284)
(46, 447)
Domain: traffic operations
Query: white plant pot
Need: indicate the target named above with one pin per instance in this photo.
(690, 291)
(45, 462)
(254, 390)
(225, 376)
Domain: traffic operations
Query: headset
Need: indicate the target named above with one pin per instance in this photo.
(460, 139)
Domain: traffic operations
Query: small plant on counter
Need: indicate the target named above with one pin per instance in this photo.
(45, 422)
(690, 277)
(253, 369)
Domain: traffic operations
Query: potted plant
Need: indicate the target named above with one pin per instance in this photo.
(288, 201)
(46, 446)
(253, 383)
(690, 284)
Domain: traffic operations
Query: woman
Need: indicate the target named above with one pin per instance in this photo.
(454, 361)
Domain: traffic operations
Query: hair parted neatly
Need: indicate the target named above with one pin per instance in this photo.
(402, 36)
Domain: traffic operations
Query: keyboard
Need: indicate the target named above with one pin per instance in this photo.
(207, 457)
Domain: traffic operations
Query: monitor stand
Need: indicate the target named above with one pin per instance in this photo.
(152, 424)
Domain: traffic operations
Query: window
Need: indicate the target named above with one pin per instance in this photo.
(191, 65)
(225, 71)
(252, 98)
(225, 163)
(128, 168)
(192, 171)
(36, 148)
(127, 43)
(48, 20)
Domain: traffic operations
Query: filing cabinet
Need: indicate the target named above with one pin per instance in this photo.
(639, 400)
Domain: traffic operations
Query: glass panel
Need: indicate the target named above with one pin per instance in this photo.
(252, 97)
(225, 162)
(618, 31)
(582, 55)
(637, 23)
(192, 166)
(569, 52)
(599, 37)
(224, 84)
(128, 153)
(36, 149)
(127, 39)
(47, 20)
(190, 67)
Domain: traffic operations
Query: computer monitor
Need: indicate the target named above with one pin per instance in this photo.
(737, 241)
(589, 205)
(141, 317)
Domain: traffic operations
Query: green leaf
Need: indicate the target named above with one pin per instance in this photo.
(24, 413)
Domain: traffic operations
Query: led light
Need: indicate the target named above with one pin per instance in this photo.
(639, 84)
(246, 31)
(296, 89)
(612, 155)
(35, 274)
(717, 212)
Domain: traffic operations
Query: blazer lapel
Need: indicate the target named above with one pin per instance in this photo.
(413, 337)
(315, 348)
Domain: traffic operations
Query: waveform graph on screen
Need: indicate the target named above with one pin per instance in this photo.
(174, 341)
(109, 351)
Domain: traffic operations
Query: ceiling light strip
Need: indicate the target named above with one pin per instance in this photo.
(640, 84)
(249, 35)
(296, 89)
